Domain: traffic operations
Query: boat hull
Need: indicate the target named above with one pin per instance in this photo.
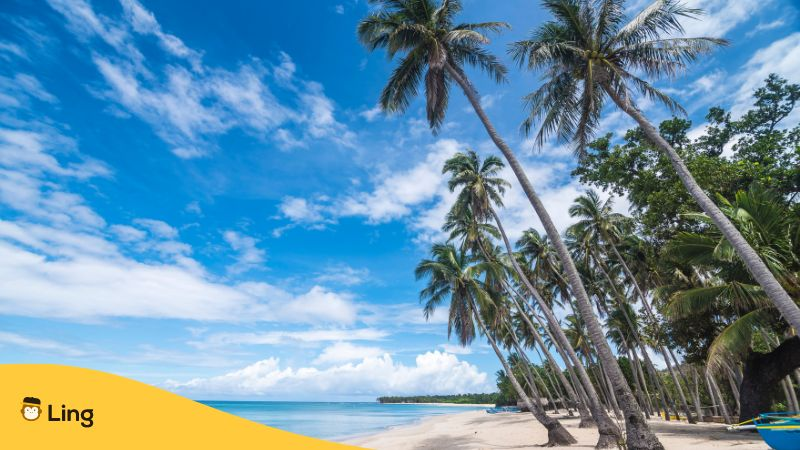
(781, 438)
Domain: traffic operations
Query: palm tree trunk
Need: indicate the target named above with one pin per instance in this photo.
(635, 332)
(584, 413)
(639, 292)
(609, 433)
(697, 405)
(720, 399)
(556, 433)
(754, 264)
(530, 375)
(639, 435)
(637, 368)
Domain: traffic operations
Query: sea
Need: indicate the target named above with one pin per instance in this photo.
(334, 421)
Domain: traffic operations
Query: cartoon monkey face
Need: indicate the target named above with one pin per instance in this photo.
(31, 412)
(31, 408)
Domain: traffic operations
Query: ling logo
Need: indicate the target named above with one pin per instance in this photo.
(32, 410)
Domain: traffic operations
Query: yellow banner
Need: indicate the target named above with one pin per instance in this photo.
(60, 407)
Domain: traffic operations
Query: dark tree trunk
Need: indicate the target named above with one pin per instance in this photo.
(762, 374)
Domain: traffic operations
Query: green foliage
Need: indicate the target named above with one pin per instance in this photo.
(459, 399)
(764, 150)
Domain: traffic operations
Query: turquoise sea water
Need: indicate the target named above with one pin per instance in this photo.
(333, 420)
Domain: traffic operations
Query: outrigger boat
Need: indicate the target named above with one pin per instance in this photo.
(781, 431)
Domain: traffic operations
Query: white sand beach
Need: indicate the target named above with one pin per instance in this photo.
(478, 430)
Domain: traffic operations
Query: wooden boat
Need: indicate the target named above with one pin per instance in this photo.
(781, 431)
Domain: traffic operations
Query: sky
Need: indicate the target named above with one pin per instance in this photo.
(207, 199)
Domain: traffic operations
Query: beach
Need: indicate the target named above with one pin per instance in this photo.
(479, 430)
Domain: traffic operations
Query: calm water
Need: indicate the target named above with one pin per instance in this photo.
(333, 420)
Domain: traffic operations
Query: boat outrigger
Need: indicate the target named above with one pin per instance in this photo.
(781, 431)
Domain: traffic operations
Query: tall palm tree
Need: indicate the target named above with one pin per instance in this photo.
(434, 45)
(601, 227)
(482, 190)
(455, 275)
(589, 52)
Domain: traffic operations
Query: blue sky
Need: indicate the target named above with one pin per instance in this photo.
(206, 198)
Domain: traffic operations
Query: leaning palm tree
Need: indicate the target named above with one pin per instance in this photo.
(437, 49)
(601, 227)
(589, 52)
(481, 190)
(455, 275)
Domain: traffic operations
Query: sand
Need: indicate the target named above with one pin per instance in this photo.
(479, 430)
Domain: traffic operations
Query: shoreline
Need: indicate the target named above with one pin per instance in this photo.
(478, 430)
(469, 405)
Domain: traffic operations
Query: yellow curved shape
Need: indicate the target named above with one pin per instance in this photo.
(125, 414)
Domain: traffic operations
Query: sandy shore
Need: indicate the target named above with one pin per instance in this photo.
(482, 405)
(478, 430)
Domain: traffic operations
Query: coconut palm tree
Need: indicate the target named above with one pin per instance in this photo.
(726, 288)
(601, 227)
(482, 190)
(437, 49)
(455, 275)
(589, 51)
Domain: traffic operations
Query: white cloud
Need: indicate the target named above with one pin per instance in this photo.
(144, 22)
(249, 255)
(127, 233)
(190, 107)
(301, 210)
(342, 274)
(721, 16)
(432, 373)
(37, 344)
(777, 23)
(372, 114)
(290, 337)
(396, 193)
(781, 57)
(339, 9)
(58, 260)
(158, 228)
(341, 352)
(456, 349)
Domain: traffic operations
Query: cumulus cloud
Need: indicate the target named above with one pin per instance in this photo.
(432, 373)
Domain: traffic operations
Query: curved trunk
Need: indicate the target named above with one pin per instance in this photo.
(720, 399)
(639, 436)
(556, 433)
(754, 264)
(530, 375)
(609, 433)
(584, 413)
(640, 294)
(762, 372)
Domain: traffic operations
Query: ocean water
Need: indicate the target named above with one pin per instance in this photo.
(333, 420)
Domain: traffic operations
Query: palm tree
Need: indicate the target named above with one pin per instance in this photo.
(726, 288)
(433, 45)
(587, 52)
(482, 190)
(601, 227)
(454, 275)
